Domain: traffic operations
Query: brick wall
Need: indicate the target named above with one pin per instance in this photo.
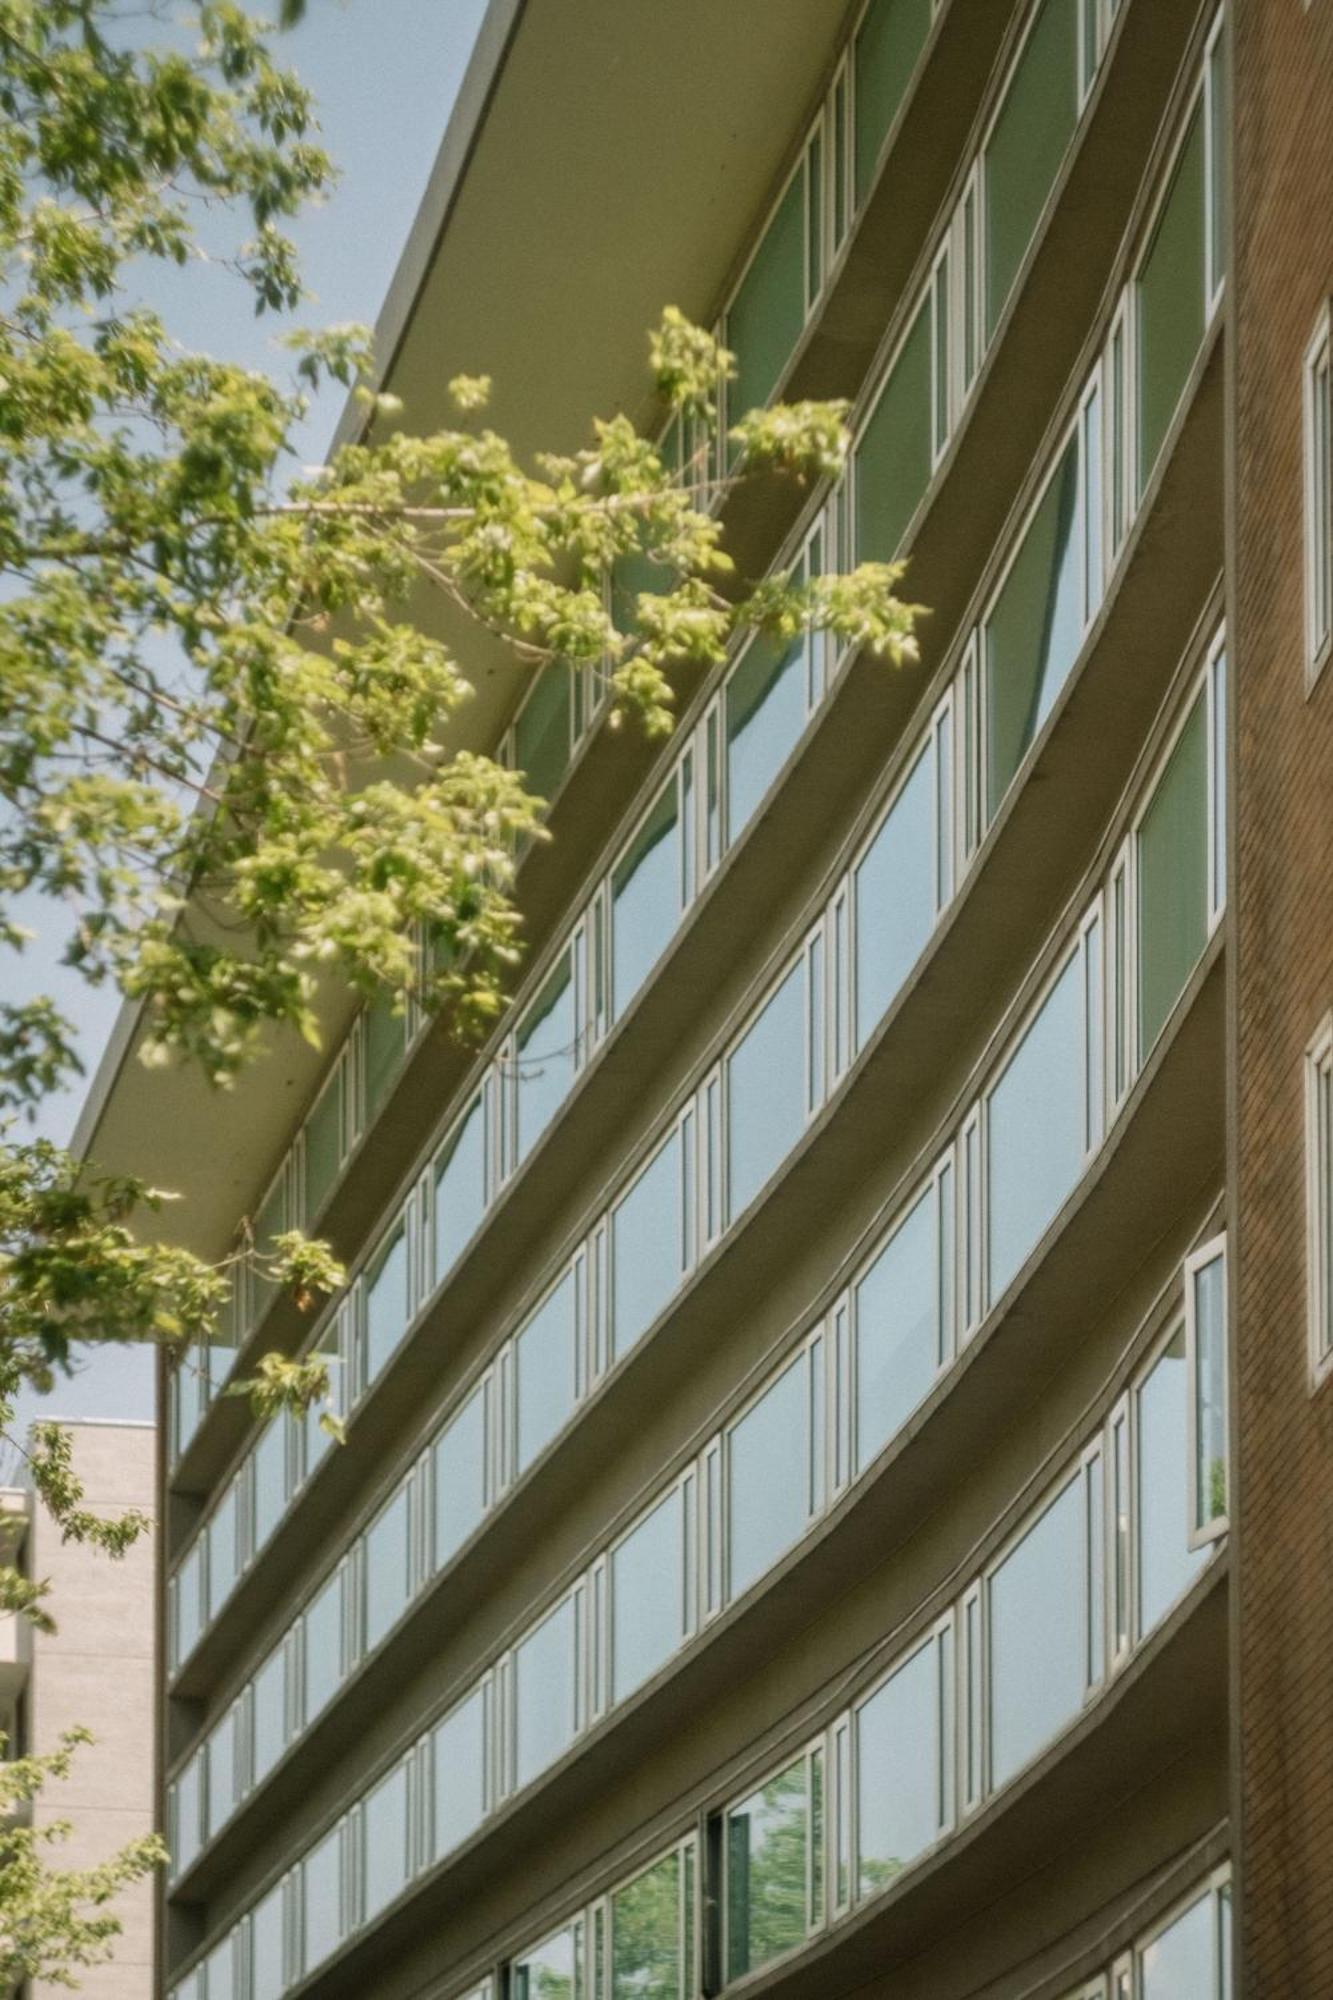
(1283, 268)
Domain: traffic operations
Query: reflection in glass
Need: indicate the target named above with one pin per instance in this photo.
(545, 1693)
(899, 1343)
(1034, 628)
(646, 1942)
(1038, 1635)
(459, 1465)
(895, 899)
(1173, 878)
(647, 1246)
(647, 1596)
(1167, 1564)
(322, 1649)
(645, 899)
(899, 1770)
(552, 1970)
(765, 704)
(321, 1882)
(1181, 1963)
(387, 1571)
(766, 1092)
(768, 1490)
(545, 1057)
(458, 1752)
(460, 1189)
(386, 1841)
(766, 1871)
(1035, 1128)
(386, 1304)
(546, 1370)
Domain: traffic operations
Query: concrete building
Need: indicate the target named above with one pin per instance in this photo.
(97, 1670)
(786, 1541)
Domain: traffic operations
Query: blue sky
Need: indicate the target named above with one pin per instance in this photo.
(385, 74)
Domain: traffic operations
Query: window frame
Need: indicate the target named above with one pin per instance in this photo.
(814, 1750)
(941, 1638)
(1317, 479)
(1201, 1532)
(1318, 1076)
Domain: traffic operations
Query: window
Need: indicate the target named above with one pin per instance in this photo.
(543, 730)
(268, 1713)
(773, 1851)
(545, 1055)
(458, 1767)
(765, 699)
(894, 896)
(458, 1459)
(652, 1932)
(385, 1045)
(1319, 495)
(765, 318)
(647, 894)
(223, 1753)
(187, 1815)
(889, 40)
(267, 1959)
(1184, 1961)
(324, 1143)
(651, 1588)
(460, 1188)
(1319, 1195)
(893, 454)
(1171, 856)
(904, 1318)
(555, 1969)
(269, 1491)
(1167, 1564)
(546, 1375)
(771, 1489)
(903, 1776)
(187, 1601)
(1206, 1348)
(1036, 1601)
(385, 1844)
(1027, 143)
(220, 1971)
(321, 1896)
(546, 1692)
(650, 1247)
(388, 1567)
(766, 1091)
(1035, 625)
(1216, 91)
(273, 1216)
(386, 1303)
(1170, 300)
(223, 1549)
(322, 1646)
(1036, 1127)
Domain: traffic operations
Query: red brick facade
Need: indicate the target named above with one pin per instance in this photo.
(1283, 891)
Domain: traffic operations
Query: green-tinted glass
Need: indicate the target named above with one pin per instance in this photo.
(1027, 145)
(768, 312)
(888, 42)
(766, 1871)
(1173, 879)
(1033, 629)
(323, 1144)
(1170, 301)
(542, 731)
(893, 455)
(633, 576)
(386, 1045)
(645, 1935)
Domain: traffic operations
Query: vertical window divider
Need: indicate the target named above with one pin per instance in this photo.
(840, 1814)
(1217, 778)
(945, 813)
(1122, 1978)
(600, 1302)
(1119, 992)
(710, 1530)
(506, 1418)
(1319, 1198)
(842, 1400)
(1091, 953)
(967, 749)
(972, 1195)
(941, 361)
(1092, 1472)
(840, 964)
(1120, 1552)
(1214, 273)
(973, 1706)
(501, 1733)
(946, 1694)
(599, 1637)
(1317, 456)
(689, 1508)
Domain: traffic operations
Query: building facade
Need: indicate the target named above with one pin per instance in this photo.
(787, 1536)
(97, 1671)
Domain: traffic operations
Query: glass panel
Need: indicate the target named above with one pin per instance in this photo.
(646, 1934)
(321, 1874)
(542, 730)
(1038, 1645)
(1027, 145)
(545, 1693)
(545, 1061)
(220, 1970)
(323, 1646)
(270, 1478)
(187, 1805)
(269, 1713)
(386, 1841)
(1181, 1963)
(323, 1145)
(223, 1564)
(766, 1871)
(460, 1189)
(552, 1970)
(385, 1046)
(459, 1461)
(1210, 1413)
(898, 1765)
(189, 1602)
(647, 1259)
(546, 1371)
(898, 1344)
(1035, 1128)
(1034, 628)
(768, 311)
(647, 1596)
(766, 1092)
(271, 1219)
(266, 1953)
(767, 1487)
(388, 1574)
(1173, 879)
(888, 43)
(895, 904)
(221, 1794)
(893, 456)
(645, 899)
(765, 704)
(386, 1304)
(1167, 1563)
(458, 1751)
(1171, 301)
